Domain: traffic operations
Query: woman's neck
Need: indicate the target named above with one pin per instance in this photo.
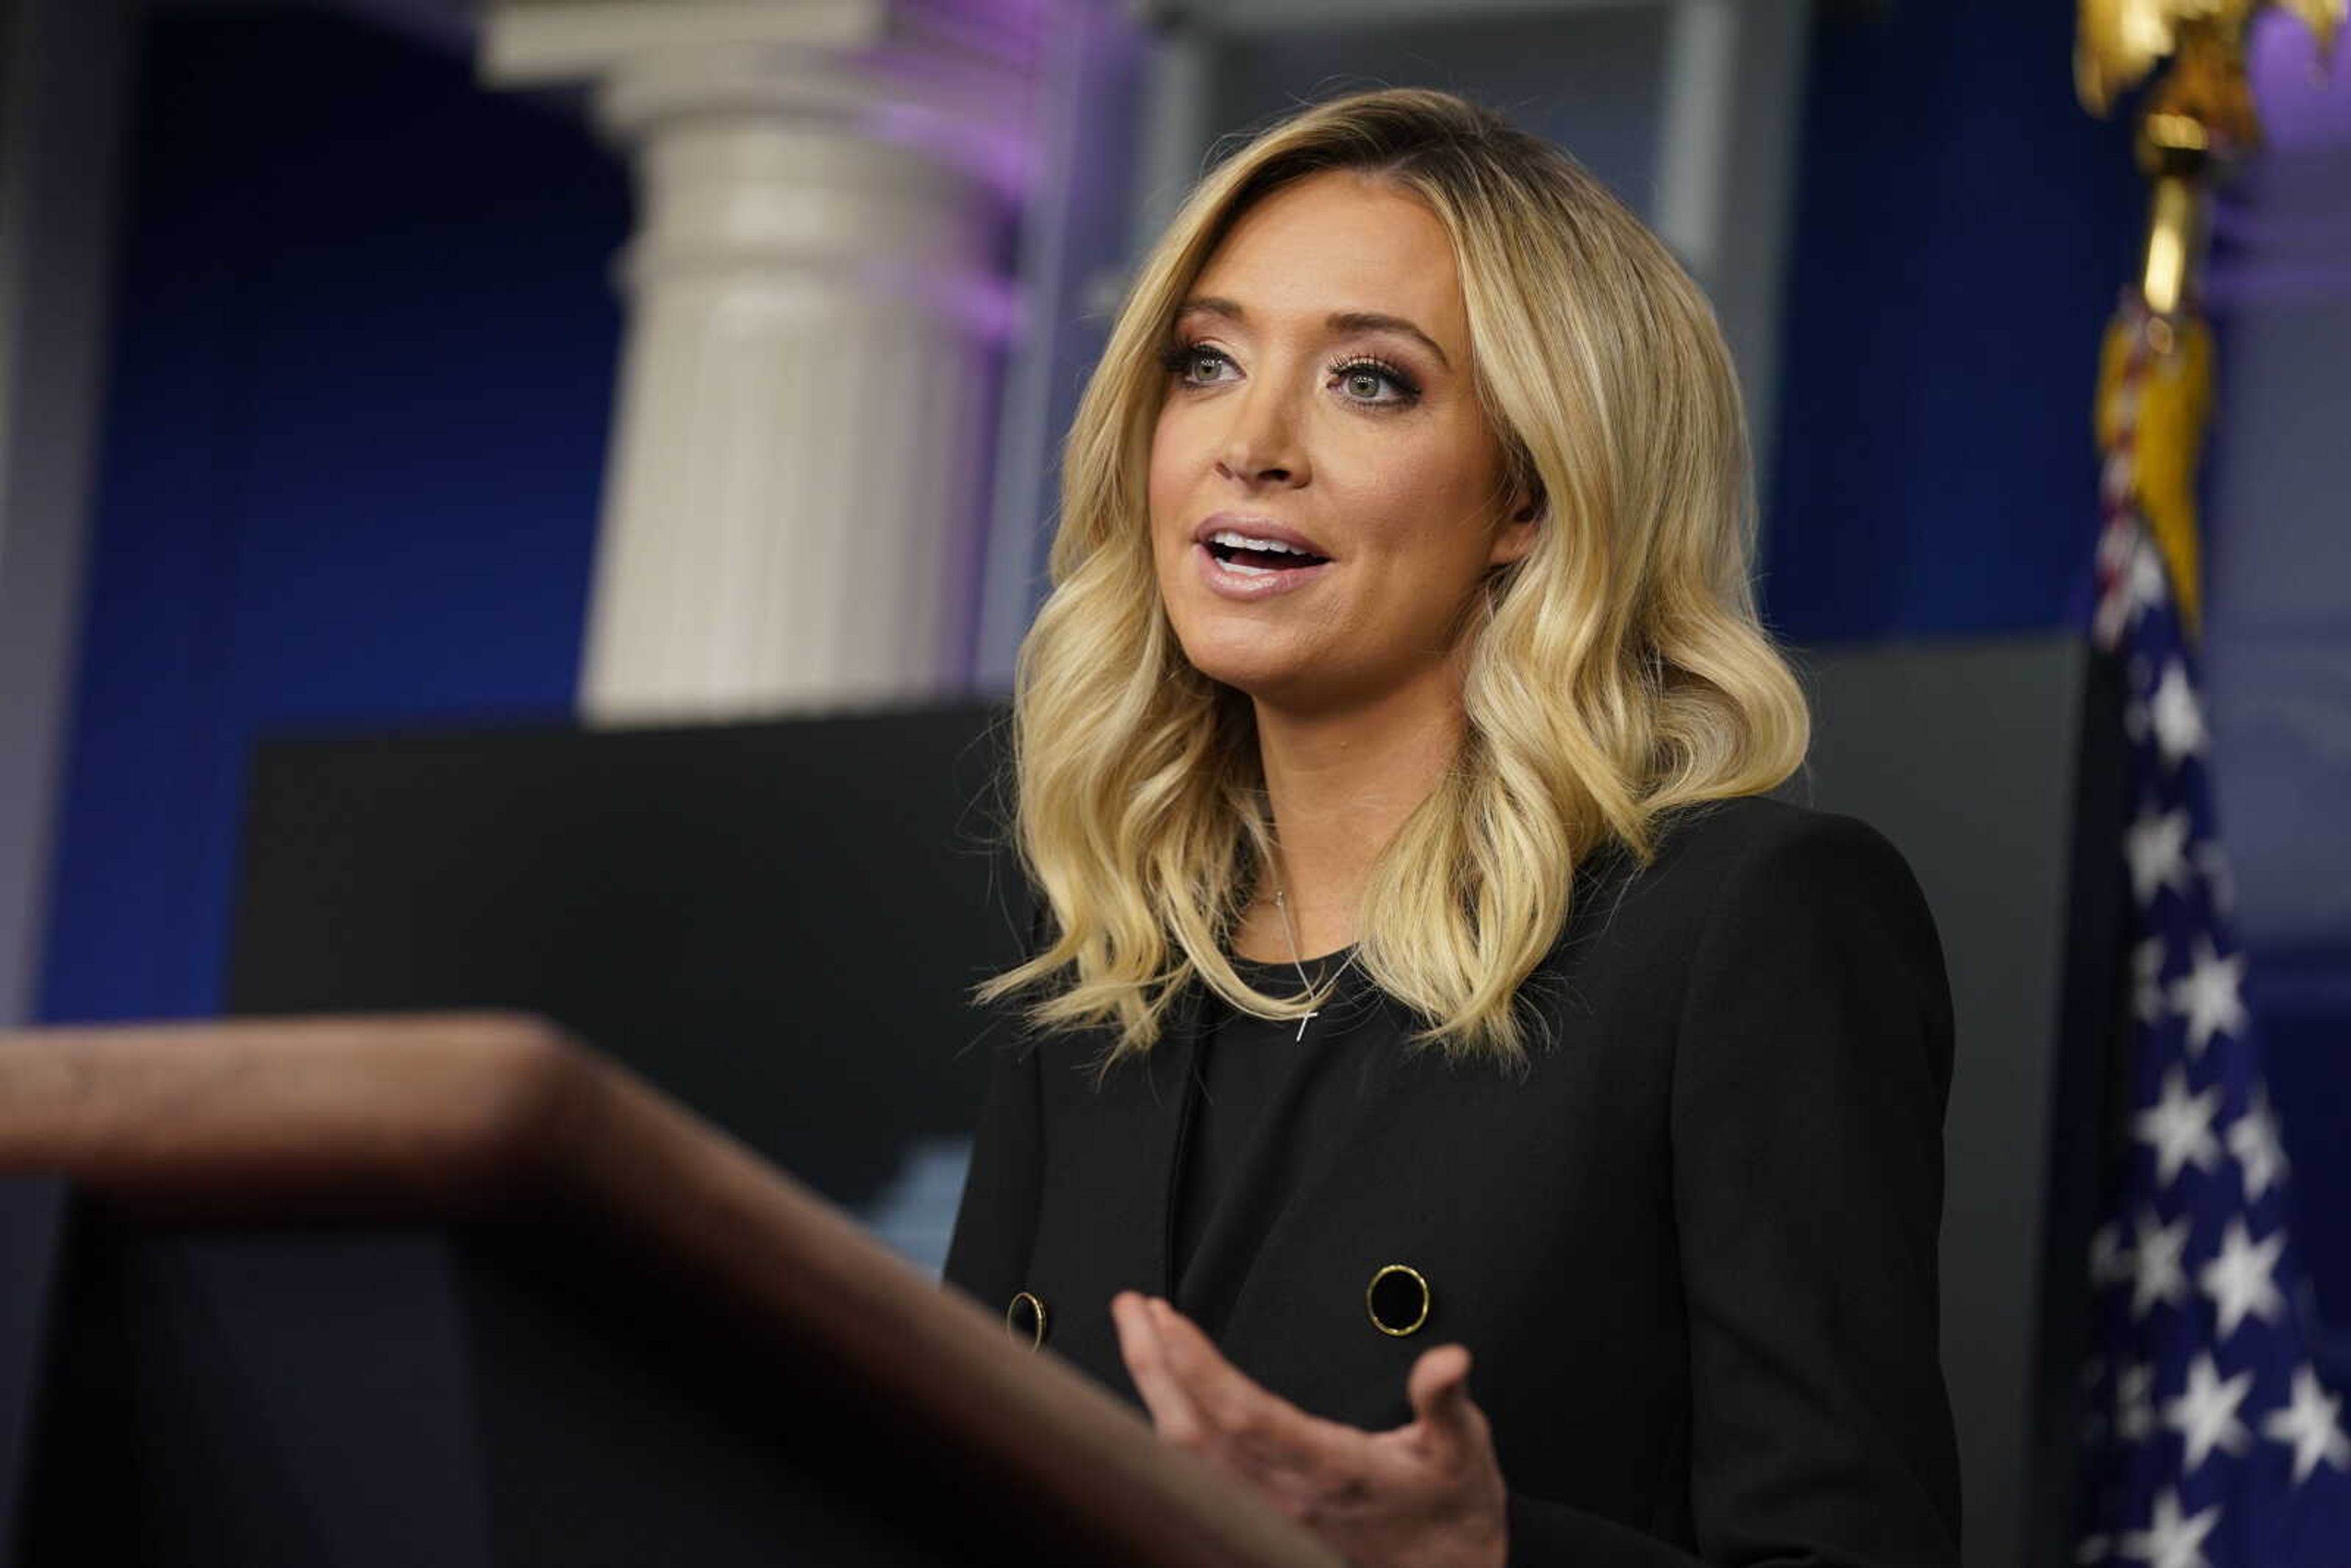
(1340, 783)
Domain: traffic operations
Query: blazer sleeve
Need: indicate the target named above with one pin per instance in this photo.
(996, 1223)
(1813, 1066)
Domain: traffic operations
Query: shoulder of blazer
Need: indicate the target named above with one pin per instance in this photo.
(1706, 838)
(1702, 850)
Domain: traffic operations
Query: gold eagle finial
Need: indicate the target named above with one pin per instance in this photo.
(2118, 42)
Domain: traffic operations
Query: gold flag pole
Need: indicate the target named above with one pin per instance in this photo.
(2155, 380)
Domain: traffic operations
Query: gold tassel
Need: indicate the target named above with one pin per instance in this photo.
(2175, 399)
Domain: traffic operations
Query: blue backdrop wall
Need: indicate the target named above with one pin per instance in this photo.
(364, 352)
(1961, 228)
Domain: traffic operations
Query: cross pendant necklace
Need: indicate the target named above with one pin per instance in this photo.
(1296, 962)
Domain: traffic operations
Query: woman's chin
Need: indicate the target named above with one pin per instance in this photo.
(1259, 672)
(1277, 680)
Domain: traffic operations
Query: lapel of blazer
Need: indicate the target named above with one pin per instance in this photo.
(1130, 1143)
(1175, 1082)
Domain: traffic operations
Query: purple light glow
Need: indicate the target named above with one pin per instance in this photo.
(2282, 221)
(990, 310)
(2302, 102)
(1001, 155)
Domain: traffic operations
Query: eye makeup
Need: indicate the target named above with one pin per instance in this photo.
(1179, 358)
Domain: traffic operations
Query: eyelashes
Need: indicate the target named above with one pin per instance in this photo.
(1178, 359)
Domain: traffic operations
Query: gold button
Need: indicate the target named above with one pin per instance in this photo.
(1025, 1319)
(1397, 1299)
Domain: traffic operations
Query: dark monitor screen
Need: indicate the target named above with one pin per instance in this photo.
(776, 923)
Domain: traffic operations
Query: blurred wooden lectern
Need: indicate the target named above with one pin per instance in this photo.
(453, 1290)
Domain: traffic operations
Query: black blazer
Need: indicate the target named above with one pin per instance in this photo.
(1693, 1252)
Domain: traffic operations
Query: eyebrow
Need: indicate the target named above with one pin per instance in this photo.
(1337, 321)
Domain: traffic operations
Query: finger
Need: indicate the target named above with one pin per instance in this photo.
(1438, 1388)
(1272, 1428)
(1172, 1409)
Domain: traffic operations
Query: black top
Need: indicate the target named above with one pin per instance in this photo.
(1691, 1248)
(1259, 1078)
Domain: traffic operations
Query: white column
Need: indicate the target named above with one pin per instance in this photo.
(798, 478)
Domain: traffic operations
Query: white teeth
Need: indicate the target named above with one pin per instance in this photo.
(1233, 540)
(1245, 570)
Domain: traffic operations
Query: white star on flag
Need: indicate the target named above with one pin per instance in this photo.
(2156, 848)
(2239, 1281)
(2308, 1424)
(2169, 1540)
(2205, 1413)
(2253, 1139)
(2135, 1404)
(2147, 979)
(2208, 996)
(2178, 1128)
(2158, 1276)
(2179, 719)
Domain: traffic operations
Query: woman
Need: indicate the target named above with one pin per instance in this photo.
(1422, 974)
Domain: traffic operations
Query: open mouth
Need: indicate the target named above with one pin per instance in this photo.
(1253, 557)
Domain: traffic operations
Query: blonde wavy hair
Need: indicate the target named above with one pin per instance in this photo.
(1618, 669)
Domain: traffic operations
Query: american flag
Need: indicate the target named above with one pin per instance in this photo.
(2213, 1440)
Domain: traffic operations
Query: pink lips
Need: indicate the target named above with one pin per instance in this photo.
(1227, 583)
(1237, 583)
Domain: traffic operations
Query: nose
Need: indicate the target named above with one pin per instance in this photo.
(1261, 446)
